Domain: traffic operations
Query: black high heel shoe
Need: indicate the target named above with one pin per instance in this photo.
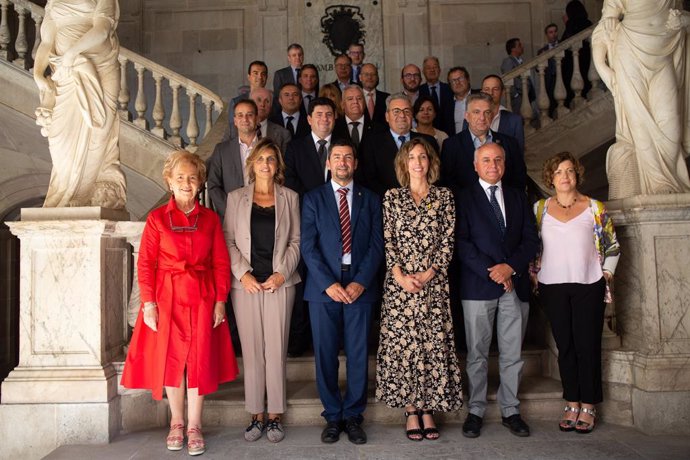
(430, 433)
(415, 434)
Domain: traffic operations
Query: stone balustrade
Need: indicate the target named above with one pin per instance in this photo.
(536, 68)
(200, 106)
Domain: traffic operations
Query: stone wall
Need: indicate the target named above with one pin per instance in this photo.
(213, 41)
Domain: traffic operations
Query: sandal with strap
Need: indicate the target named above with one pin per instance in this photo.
(195, 446)
(175, 441)
(431, 433)
(583, 427)
(415, 434)
(565, 424)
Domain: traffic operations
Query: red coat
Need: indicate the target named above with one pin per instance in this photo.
(185, 272)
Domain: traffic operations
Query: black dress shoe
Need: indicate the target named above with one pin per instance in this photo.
(516, 425)
(331, 433)
(472, 427)
(354, 431)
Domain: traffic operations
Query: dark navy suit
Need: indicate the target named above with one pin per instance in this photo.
(447, 100)
(332, 322)
(457, 161)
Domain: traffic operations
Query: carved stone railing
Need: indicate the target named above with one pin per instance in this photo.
(537, 67)
(201, 109)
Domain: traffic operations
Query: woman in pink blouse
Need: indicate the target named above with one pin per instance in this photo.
(578, 259)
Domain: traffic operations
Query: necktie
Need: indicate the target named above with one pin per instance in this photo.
(401, 139)
(322, 152)
(434, 94)
(344, 212)
(370, 104)
(258, 132)
(354, 134)
(307, 101)
(288, 124)
(297, 72)
(497, 208)
(355, 74)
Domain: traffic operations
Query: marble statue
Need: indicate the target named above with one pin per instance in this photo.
(640, 50)
(78, 102)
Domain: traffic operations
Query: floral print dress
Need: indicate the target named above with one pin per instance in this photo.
(416, 363)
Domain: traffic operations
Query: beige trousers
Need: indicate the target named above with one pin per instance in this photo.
(263, 322)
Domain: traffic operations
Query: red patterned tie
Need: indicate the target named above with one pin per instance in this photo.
(370, 104)
(345, 220)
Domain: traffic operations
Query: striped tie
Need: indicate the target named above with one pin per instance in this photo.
(497, 209)
(345, 220)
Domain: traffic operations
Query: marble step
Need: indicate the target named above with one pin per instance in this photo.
(303, 367)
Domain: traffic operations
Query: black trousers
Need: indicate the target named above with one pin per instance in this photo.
(576, 313)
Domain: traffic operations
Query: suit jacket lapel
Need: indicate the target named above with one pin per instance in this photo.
(280, 204)
(331, 204)
(357, 201)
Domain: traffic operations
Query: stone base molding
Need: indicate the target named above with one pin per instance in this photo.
(73, 298)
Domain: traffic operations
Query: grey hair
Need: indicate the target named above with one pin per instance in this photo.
(397, 96)
(478, 97)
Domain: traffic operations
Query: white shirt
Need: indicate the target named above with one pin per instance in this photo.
(316, 140)
(347, 258)
(497, 119)
(360, 126)
(499, 196)
(245, 150)
(295, 119)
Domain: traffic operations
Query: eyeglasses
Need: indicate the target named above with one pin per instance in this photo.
(412, 75)
(457, 80)
(176, 228)
(399, 112)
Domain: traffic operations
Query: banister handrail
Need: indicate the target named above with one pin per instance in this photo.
(180, 86)
(173, 76)
(546, 55)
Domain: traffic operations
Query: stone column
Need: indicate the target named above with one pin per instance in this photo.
(73, 298)
(653, 310)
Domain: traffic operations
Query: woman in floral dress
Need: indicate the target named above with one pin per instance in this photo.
(417, 367)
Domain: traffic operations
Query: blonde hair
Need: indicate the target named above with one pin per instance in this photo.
(401, 161)
(183, 156)
(332, 92)
(263, 145)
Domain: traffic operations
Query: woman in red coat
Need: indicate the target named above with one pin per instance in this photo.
(184, 278)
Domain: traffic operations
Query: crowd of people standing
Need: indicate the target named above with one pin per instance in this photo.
(333, 206)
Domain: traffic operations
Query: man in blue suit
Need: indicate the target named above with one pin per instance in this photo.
(457, 155)
(342, 246)
(496, 240)
(504, 121)
(439, 91)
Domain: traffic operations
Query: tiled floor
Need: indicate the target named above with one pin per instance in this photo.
(389, 442)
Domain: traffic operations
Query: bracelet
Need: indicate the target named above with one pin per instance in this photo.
(148, 306)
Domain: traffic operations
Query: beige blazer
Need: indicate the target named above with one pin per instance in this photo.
(287, 233)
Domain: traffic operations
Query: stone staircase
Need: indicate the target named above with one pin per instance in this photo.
(540, 397)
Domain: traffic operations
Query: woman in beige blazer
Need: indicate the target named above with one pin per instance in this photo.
(262, 231)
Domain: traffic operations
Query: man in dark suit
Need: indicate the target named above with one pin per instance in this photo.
(457, 155)
(305, 170)
(257, 73)
(515, 51)
(343, 71)
(289, 74)
(292, 116)
(375, 100)
(496, 240)
(356, 52)
(225, 166)
(342, 246)
(309, 81)
(378, 152)
(355, 125)
(439, 91)
(411, 79)
(504, 121)
(454, 114)
(305, 158)
(265, 128)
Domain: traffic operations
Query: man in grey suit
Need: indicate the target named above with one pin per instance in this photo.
(265, 128)
(504, 121)
(496, 239)
(226, 166)
(289, 74)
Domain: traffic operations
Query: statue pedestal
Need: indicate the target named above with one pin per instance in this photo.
(653, 310)
(73, 298)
